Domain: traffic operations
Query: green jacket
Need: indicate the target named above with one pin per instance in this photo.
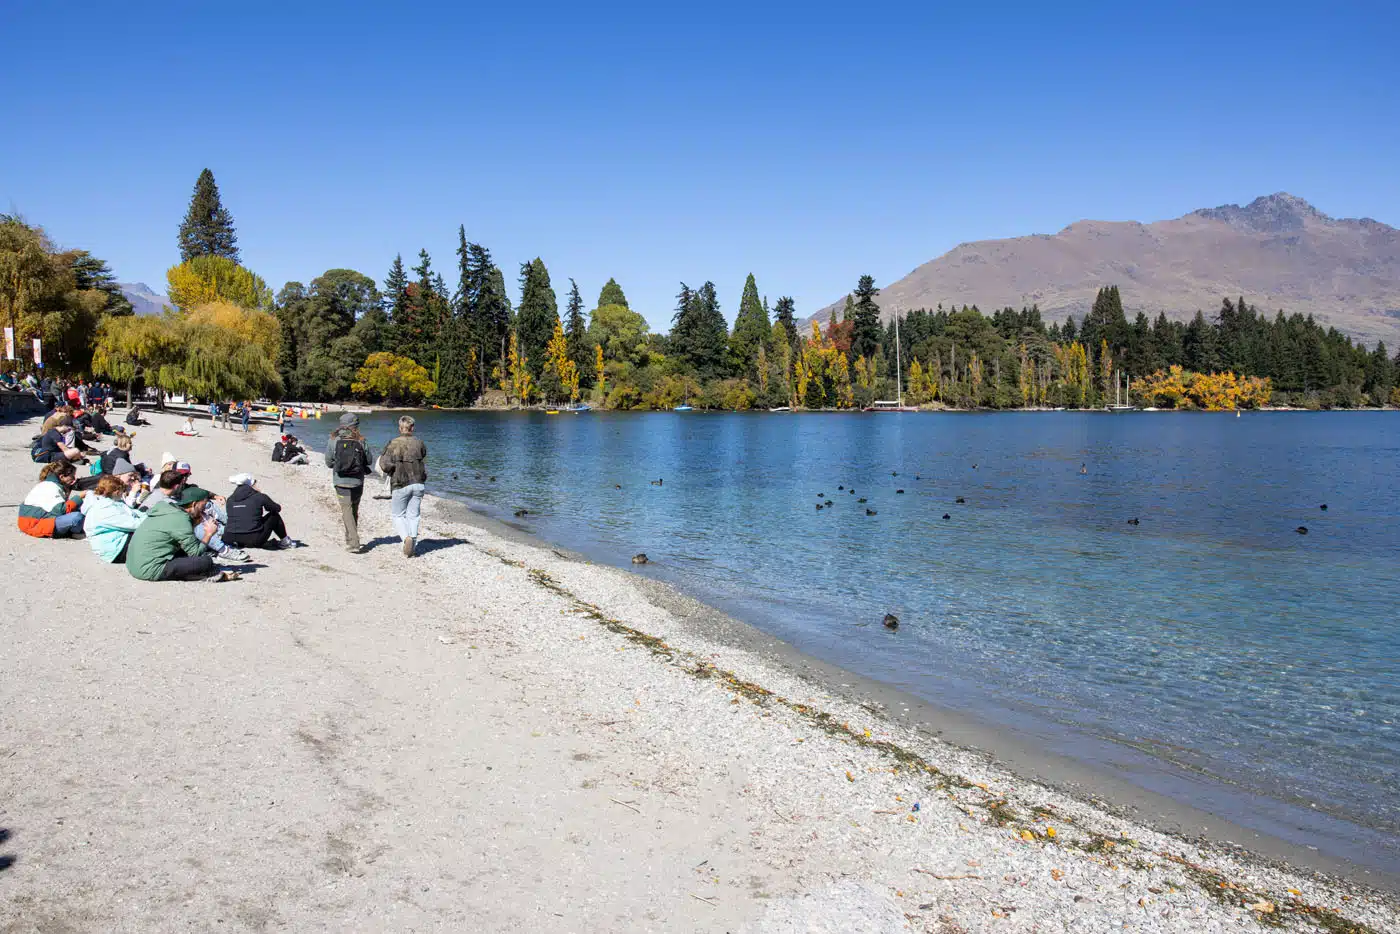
(167, 533)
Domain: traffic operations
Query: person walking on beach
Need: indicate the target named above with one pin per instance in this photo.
(403, 463)
(349, 458)
(246, 413)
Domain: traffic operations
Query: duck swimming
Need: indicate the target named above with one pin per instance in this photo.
(891, 621)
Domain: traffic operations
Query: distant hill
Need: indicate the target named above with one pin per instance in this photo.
(146, 300)
(1278, 251)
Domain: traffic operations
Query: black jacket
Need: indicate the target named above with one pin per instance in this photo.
(245, 508)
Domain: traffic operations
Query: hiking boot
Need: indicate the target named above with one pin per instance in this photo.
(408, 547)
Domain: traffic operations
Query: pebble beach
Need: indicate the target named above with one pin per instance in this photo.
(499, 736)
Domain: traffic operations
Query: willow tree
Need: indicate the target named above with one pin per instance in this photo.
(131, 347)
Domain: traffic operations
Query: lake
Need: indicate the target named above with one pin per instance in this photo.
(1210, 652)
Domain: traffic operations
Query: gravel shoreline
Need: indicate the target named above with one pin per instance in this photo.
(498, 735)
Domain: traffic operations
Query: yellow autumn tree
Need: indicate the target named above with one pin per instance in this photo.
(205, 279)
(560, 376)
(521, 383)
(600, 375)
(393, 378)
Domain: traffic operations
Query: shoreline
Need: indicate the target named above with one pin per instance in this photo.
(1023, 755)
(658, 765)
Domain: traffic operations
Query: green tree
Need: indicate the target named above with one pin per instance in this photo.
(612, 295)
(207, 229)
(127, 348)
(699, 334)
(621, 333)
(538, 313)
(785, 313)
(751, 331)
(576, 333)
(89, 273)
(865, 316)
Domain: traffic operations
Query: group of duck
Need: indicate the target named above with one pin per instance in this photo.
(826, 503)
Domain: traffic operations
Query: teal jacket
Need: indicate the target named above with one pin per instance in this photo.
(167, 533)
(108, 523)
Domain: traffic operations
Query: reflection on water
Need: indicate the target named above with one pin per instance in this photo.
(1211, 634)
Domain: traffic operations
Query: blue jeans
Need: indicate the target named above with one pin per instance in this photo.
(68, 524)
(407, 503)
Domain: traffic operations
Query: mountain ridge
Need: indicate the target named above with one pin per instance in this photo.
(144, 299)
(1278, 251)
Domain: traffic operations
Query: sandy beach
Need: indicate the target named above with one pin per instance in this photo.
(496, 736)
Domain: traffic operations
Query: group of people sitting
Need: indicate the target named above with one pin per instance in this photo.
(158, 523)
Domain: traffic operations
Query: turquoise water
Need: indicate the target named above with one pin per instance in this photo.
(1210, 652)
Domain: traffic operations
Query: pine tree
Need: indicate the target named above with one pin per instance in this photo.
(579, 350)
(751, 330)
(866, 333)
(207, 229)
(786, 311)
(612, 295)
(538, 314)
(699, 335)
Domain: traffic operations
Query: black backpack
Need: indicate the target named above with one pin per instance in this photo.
(278, 452)
(350, 459)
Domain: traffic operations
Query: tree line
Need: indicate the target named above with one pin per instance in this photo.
(417, 338)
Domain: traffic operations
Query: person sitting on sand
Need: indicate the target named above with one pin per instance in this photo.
(174, 477)
(51, 510)
(133, 417)
(109, 521)
(187, 430)
(57, 443)
(287, 451)
(254, 518)
(165, 546)
(121, 448)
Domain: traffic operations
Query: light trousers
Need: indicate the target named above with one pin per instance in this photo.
(407, 504)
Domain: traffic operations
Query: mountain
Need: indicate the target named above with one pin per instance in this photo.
(146, 300)
(1278, 251)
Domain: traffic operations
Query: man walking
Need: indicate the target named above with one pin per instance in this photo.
(349, 458)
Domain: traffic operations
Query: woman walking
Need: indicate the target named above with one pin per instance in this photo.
(403, 463)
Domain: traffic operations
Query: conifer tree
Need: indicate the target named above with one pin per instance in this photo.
(612, 295)
(751, 330)
(539, 312)
(785, 315)
(577, 334)
(866, 333)
(207, 229)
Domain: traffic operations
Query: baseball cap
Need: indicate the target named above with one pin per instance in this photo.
(193, 494)
(183, 467)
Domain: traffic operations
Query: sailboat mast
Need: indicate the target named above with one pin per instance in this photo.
(898, 363)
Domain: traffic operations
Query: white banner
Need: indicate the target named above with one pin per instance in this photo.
(9, 343)
(38, 354)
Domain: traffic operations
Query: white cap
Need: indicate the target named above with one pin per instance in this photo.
(239, 479)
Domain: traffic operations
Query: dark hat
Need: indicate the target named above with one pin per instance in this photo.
(349, 420)
(193, 494)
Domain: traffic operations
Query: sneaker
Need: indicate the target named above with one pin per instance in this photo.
(237, 555)
(288, 543)
(408, 547)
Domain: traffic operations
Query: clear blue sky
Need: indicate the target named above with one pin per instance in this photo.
(806, 144)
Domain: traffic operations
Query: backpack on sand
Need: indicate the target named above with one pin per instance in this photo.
(350, 459)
